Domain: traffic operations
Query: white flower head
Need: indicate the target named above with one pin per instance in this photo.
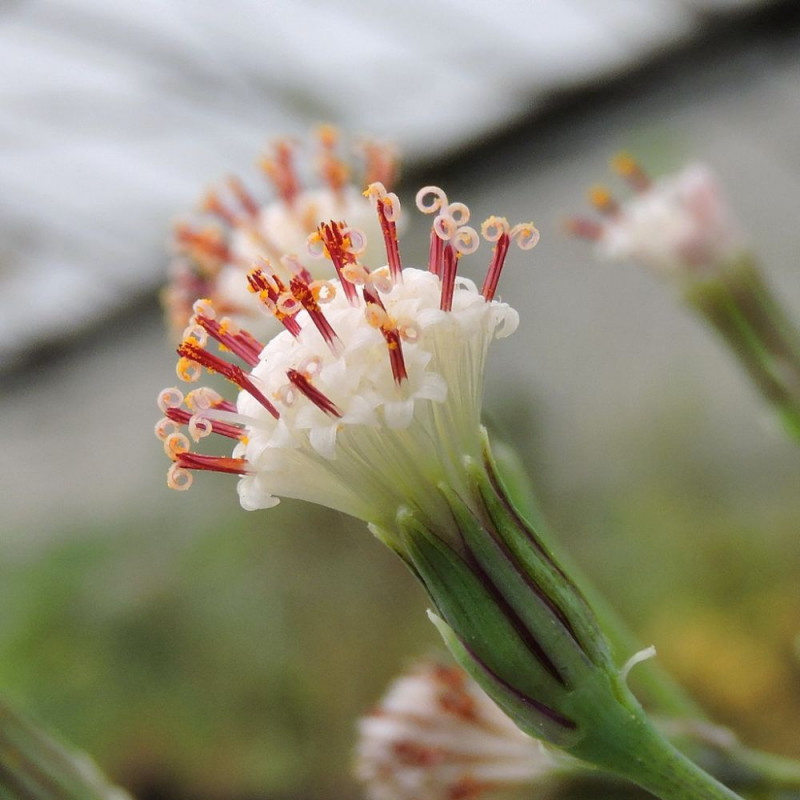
(436, 735)
(214, 250)
(371, 395)
(678, 225)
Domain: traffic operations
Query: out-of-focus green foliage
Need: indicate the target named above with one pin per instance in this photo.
(708, 572)
(36, 766)
(231, 660)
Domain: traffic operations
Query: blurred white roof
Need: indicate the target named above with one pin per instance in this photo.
(114, 116)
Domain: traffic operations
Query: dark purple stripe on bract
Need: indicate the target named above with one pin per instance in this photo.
(540, 707)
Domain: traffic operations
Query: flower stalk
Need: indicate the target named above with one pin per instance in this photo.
(720, 752)
(741, 308)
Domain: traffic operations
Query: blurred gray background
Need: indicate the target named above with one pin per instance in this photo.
(628, 412)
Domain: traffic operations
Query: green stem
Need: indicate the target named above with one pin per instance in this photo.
(761, 307)
(766, 769)
(782, 340)
(765, 781)
(640, 754)
(719, 752)
(668, 774)
(741, 308)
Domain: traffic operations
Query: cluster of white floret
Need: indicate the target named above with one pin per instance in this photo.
(681, 222)
(678, 225)
(435, 735)
(371, 396)
(214, 246)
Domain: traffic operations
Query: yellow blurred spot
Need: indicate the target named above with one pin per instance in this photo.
(625, 165)
(601, 198)
(328, 135)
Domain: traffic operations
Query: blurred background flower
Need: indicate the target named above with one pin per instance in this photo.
(199, 651)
